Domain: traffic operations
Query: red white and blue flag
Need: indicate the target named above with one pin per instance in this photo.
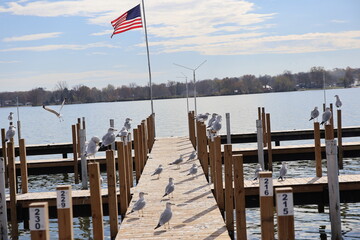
(129, 20)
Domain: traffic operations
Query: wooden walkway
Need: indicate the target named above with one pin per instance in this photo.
(195, 213)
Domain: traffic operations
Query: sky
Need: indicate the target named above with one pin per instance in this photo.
(44, 43)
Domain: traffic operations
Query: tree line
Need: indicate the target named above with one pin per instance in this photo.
(247, 84)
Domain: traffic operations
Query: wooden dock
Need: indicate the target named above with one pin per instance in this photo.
(195, 213)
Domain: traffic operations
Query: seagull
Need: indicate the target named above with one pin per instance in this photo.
(92, 147)
(202, 117)
(127, 123)
(177, 161)
(10, 133)
(58, 114)
(10, 117)
(326, 116)
(257, 171)
(211, 120)
(109, 137)
(283, 171)
(140, 204)
(169, 188)
(193, 170)
(123, 133)
(165, 216)
(216, 125)
(158, 171)
(314, 114)
(338, 102)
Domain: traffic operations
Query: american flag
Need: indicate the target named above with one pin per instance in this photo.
(129, 20)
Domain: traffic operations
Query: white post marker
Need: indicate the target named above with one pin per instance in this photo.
(3, 209)
(285, 213)
(260, 144)
(228, 130)
(63, 198)
(64, 212)
(266, 184)
(39, 220)
(266, 205)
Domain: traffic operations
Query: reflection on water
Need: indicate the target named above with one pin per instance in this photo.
(288, 111)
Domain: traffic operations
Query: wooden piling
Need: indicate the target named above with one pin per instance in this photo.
(259, 113)
(75, 154)
(96, 201)
(202, 151)
(129, 165)
(268, 135)
(141, 148)
(229, 190)
(65, 212)
(12, 186)
(137, 155)
(4, 155)
(219, 175)
(145, 141)
(263, 121)
(3, 212)
(228, 130)
(84, 173)
(317, 148)
(122, 178)
(23, 166)
(78, 127)
(332, 115)
(333, 183)
(39, 221)
(339, 138)
(266, 196)
(239, 196)
(192, 128)
(112, 124)
(285, 213)
(112, 195)
(212, 161)
(259, 130)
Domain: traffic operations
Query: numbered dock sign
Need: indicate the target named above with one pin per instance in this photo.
(62, 199)
(284, 204)
(37, 218)
(266, 187)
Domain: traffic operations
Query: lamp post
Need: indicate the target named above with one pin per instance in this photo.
(187, 91)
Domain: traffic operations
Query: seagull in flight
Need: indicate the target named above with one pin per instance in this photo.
(57, 113)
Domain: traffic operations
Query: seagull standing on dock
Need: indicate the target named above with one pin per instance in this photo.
(216, 125)
(158, 171)
(193, 170)
(283, 171)
(326, 116)
(211, 120)
(257, 171)
(338, 102)
(109, 137)
(123, 134)
(177, 161)
(165, 216)
(58, 114)
(202, 117)
(10, 133)
(314, 114)
(92, 147)
(10, 117)
(169, 188)
(127, 123)
(139, 205)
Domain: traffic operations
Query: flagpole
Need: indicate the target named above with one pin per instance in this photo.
(148, 57)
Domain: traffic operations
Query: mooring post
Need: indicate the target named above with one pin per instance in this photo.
(112, 195)
(318, 157)
(266, 196)
(96, 201)
(228, 129)
(122, 178)
(268, 135)
(141, 148)
(112, 124)
(285, 213)
(229, 190)
(239, 196)
(3, 212)
(75, 154)
(12, 185)
(78, 127)
(137, 154)
(211, 144)
(202, 152)
(64, 212)
(129, 165)
(39, 221)
(219, 174)
(84, 174)
(260, 145)
(339, 137)
(4, 155)
(146, 147)
(259, 113)
(263, 119)
(332, 115)
(23, 166)
(333, 183)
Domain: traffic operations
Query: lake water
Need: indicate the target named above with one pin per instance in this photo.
(289, 111)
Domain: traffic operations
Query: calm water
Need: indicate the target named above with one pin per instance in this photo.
(288, 111)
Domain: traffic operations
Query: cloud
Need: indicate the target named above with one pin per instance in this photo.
(32, 37)
(55, 47)
(339, 21)
(6, 62)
